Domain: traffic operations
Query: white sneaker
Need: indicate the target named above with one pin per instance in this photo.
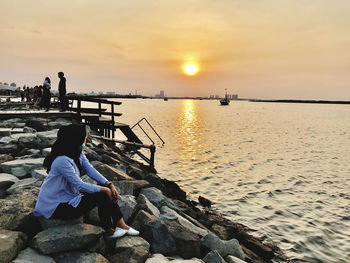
(132, 232)
(119, 232)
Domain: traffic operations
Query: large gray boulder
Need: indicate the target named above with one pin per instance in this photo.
(11, 243)
(9, 148)
(49, 223)
(158, 258)
(5, 157)
(27, 164)
(6, 180)
(156, 197)
(213, 257)
(23, 185)
(127, 204)
(224, 248)
(188, 244)
(112, 173)
(31, 142)
(5, 132)
(39, 174)
(142, 218)
(16, 211)
(30, 255)
(232, 259)
(183, 221)
(127, 242)
(159, 238)
(81, 257)
(131, 255)
(66, 237)
(144, 204)
(7, 140)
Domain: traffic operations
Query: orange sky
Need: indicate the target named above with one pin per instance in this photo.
(297, 49)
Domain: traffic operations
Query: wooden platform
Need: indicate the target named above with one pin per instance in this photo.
(8, 114)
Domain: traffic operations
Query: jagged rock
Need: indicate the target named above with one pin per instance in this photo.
(188, 244)
(9, 148)
(6, 180)
(158, 258)
(46, 151)
(144, 204)
(5, 132)
(5, 158)
(66, 237)
(127, 204)
(7, 140)
(255, 245)
(63, 121)
(35, 124)
(19, 124)
(31, 142)
(127, 242)
(155, 181)
(173, 190)
(16, 211)
(112, 173)
(2, 193)
(11, 243)
(92, 155)
(107, 159)
(34, 151)
(142, 218)
(18, 136)
(224, 248)
(136, 172)
(28, 164)
(131, 255)
(20, 172)
(156, 197)
(221, 231)
(49, 223)
(213, 257)
(47, 138)
(184, 222)
(29, 130)
(125, 187)
(54, 125)
(39, 174)
(23, 185)
(95, 163)
(81, 257)
(232, 259)
(159, 238)
(30, 255)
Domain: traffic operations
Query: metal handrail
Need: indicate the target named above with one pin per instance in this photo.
(138, 124)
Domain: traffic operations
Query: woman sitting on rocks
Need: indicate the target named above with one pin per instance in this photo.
(63, 195)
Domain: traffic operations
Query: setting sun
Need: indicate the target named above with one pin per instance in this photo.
(190, 69)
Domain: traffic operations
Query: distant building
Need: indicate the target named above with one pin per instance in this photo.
(234, 97)
(160, 95)
(110, 93)
(92, 93)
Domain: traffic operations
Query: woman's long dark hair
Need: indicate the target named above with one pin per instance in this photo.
(68, 143)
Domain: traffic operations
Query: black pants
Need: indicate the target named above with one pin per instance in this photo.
(107, 210)
(63, 102)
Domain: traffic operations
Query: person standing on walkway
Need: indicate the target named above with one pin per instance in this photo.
(46, 99)
(62, 92)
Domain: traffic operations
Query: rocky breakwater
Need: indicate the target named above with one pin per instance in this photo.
(171, 228)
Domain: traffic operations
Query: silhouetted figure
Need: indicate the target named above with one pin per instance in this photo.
(45, 101)
(62, 92)
(28, 98)
(22, 93)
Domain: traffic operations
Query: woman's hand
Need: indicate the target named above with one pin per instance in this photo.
(114, 193)
(109, 193)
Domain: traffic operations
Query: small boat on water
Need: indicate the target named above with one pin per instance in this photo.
(226, 100)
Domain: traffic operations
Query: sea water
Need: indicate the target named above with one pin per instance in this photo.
(281, 169)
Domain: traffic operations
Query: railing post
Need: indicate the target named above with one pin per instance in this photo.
(153, 150)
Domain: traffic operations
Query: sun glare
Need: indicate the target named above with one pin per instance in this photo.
(190, 69)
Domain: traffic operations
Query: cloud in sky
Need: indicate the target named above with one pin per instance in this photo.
(257, 48)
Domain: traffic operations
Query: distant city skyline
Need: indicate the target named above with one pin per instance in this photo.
(268, 49)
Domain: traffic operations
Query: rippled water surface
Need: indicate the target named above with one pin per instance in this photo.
(281, 169)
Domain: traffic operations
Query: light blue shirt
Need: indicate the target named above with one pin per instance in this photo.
(64, 185)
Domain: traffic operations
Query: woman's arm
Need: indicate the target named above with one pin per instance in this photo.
(64, 166)
(91, 171)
